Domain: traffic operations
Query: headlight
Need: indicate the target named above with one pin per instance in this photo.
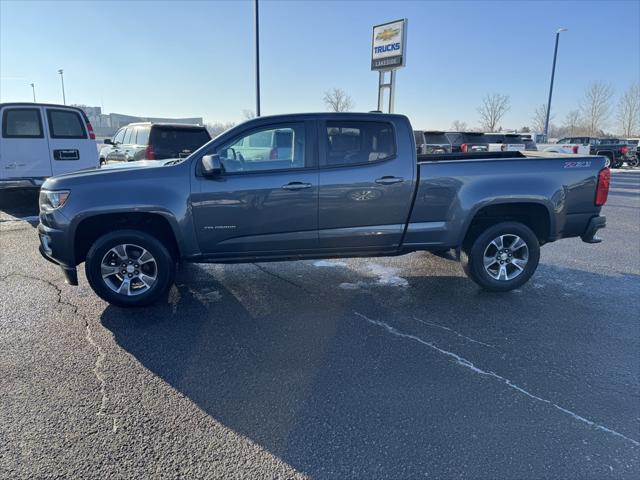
(50, 200)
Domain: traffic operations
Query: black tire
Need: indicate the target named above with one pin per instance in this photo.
(633, 162)
(615, 163)
(164, 267)
(474, 264)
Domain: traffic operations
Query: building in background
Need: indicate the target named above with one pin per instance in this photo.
(106, 124)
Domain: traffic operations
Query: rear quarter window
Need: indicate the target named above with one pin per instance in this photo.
(65, 124)
(142, 135)
(21, 123)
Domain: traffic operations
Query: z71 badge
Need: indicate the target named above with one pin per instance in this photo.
(584, 164)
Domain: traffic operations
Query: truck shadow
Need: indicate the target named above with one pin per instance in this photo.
(307, 379)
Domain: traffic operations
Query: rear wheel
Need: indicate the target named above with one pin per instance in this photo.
(633, 162)
(503, 257)
(129, 268)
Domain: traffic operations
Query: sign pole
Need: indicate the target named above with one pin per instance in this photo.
(257, 40)
(381, 88)
(392, 91)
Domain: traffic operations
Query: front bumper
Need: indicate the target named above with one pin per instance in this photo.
(20, 183)
(595, 224)
(49, 239)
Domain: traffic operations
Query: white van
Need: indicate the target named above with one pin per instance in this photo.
(41, 140)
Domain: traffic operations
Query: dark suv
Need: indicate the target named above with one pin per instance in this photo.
(153, 141)
(468, 142)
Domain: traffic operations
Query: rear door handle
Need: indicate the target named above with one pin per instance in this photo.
(296, 186)
(388, 180)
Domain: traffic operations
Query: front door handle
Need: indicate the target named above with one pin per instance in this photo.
(296, 186)
(388, 180)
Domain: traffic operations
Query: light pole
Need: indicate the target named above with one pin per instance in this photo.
(64, 100)
(256, 19)
(33, 88)
(553, 73)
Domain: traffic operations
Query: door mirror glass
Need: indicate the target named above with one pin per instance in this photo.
(211, 165)
(107, 141)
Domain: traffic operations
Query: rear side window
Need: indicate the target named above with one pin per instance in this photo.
(65, 124)
(21, 123)
(127, 136)
(174, 141)
(352, 143)
(142, 136)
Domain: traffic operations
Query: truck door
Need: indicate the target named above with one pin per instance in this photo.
(263, 203)
(24, 151)
(366, 184)
(70, 147)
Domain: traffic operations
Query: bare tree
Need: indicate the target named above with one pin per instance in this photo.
(572, 122)
(217, 128)
(337, 100)
(629, 111)
(539, 118)
(493, 108)
(459, 126)
(596, 107)
(248, 114)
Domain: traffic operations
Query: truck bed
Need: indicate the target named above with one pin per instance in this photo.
(555, 189)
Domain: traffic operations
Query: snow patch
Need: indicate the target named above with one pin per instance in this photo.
(387, 276)
(327, 263)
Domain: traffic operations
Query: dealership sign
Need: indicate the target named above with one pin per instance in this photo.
(388, 45)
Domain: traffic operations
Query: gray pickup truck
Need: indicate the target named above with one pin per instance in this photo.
(344, 185)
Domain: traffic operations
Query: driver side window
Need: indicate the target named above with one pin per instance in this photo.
(276, 147)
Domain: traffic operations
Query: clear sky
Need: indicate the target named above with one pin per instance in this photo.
(195, 58)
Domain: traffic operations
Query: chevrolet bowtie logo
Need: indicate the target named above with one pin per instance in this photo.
(387, 34)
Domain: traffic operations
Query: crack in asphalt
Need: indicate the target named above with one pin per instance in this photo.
(468, 364)
(280, 277)
(443, 327)
(90, 340)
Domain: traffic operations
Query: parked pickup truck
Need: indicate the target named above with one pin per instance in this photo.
(617, 151)
(350, 185)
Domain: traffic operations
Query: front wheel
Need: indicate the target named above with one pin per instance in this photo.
(503, 257)
(129, 268)
(633, 162)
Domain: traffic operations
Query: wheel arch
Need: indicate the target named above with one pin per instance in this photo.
(536, 215)
(158, 223)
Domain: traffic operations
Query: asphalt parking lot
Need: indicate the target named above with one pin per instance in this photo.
(370, 368)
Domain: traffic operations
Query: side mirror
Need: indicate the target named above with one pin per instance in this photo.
(107, 141)
(211, 165)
